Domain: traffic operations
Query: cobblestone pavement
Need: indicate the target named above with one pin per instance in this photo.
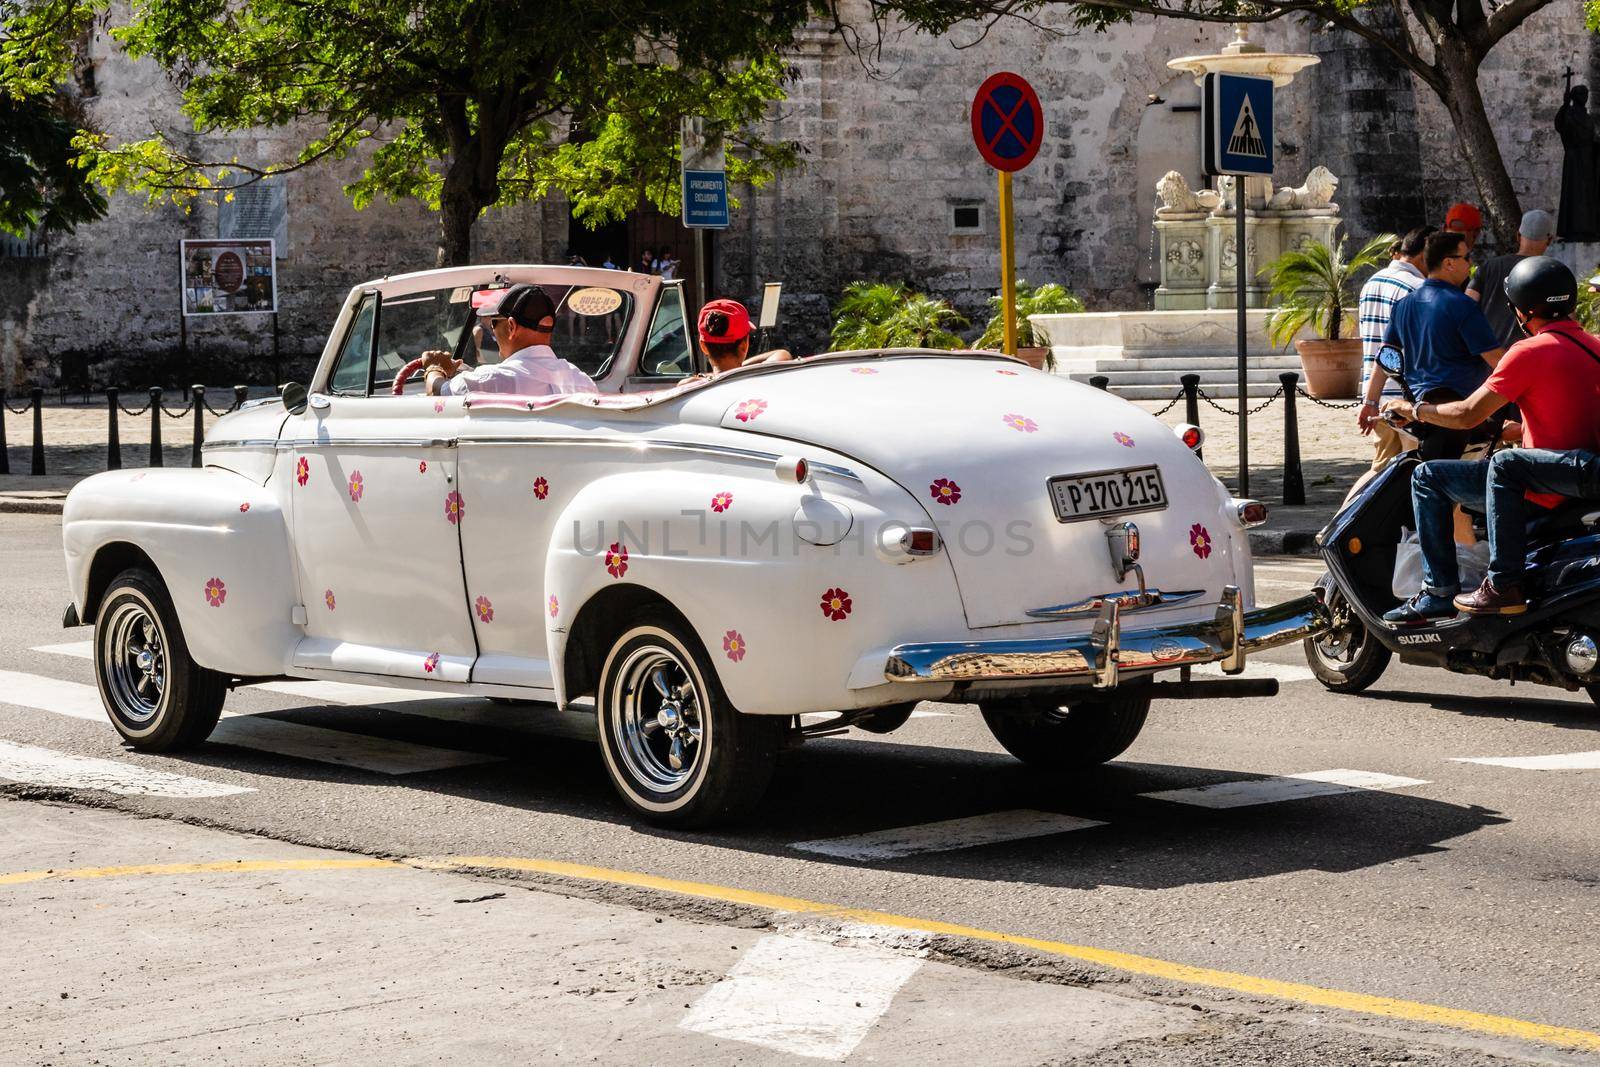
(1333, 455)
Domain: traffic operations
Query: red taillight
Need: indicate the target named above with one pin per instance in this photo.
(922, 542)
(792, 469)
(1192, 437)
(802, 470)
(1251, 512)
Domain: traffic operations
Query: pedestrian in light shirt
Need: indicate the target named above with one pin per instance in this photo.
(1379, 295)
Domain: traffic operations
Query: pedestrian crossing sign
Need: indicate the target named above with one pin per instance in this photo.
(1238, 124)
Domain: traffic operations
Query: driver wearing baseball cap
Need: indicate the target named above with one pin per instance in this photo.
(522, 320)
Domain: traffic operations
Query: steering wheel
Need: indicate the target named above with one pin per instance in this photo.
(404, 374)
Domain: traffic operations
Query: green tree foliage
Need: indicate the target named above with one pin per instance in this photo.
(1048, 299)
(873, 315)
(467, 104)
(1316, 286)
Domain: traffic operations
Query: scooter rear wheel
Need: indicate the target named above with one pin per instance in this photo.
(1347, 658)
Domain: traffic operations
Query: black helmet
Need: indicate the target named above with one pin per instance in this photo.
(1542, 286)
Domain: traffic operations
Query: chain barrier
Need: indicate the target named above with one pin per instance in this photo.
(180, 413)
(135, 412)
(1170, 405)
(225, 411)
(23, 410)
(1325, 403)
(1276, 393)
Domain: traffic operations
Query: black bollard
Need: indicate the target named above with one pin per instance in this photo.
(198, 394)
(1191, 401)
(113, 436)
(38, 431)
(155, 426)
(241, 393)
(5, 457)
(1294, 481)
(1100, 381)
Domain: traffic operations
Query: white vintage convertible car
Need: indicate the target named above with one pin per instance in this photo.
(723, 565)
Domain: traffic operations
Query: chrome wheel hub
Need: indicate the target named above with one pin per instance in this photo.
(135, 660)
(656, 719)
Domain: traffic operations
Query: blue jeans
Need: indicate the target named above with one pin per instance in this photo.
(1496, 487)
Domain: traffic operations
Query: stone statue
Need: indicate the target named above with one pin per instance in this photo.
(1176, 198)
(1579, 215)
(1315, 195)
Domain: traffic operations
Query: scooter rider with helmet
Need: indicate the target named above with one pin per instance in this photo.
(1553, 376)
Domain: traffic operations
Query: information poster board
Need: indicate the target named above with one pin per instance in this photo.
(229, 277)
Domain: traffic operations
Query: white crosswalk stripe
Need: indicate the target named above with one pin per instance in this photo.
(946, 835)
(1285, 673)
(803, 997)
(1556, 761)
(1274, 790)
(42, 766)
(377, 754)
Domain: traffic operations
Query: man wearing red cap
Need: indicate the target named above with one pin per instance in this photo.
(1467, 220)
(724, 328)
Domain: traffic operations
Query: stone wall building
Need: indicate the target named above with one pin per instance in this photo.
(888, 161)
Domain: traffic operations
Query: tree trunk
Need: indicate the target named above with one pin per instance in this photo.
(458, 210)
(1459, 91)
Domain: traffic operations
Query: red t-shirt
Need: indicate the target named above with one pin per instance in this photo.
(1556, 384)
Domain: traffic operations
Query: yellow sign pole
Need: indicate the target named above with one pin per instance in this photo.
(1008, 265)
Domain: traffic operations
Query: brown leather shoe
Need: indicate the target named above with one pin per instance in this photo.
(1488, 600)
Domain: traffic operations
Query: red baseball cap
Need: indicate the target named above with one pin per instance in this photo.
(735, 329)
(1463, 216)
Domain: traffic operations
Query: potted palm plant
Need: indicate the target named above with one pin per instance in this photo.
(1047, 299)
(890, 315)
(1316, 287)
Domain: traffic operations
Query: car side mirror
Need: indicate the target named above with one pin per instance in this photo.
(294, 397)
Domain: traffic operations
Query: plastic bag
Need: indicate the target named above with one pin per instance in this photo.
(1472, 562)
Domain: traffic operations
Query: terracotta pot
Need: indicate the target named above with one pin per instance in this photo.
(1333, 368)
(1034, 357)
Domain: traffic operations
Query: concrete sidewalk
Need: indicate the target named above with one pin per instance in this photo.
(1333, 455)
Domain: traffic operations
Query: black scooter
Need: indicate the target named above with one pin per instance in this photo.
(1556, 642)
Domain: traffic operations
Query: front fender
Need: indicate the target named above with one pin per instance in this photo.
(220, 543)
(749, 585)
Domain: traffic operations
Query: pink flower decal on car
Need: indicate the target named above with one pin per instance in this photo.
(216, 592)
(485, 609)
(863, 370)
(749, 410)
(431, 664)
(1007, 373)
(454, 507)
(1200, 540)
(422, 467)
(733, 644)
(836, 604)
(555, 605)
(438, 407)
(541, 488)
(722, 501)
(327, 598)
(945, 491)
(302, 471)
(617, 560)
(357, 487)
(1021, 423)
(245, 506)
(1122, 439)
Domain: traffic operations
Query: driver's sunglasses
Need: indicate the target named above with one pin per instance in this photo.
(495, 321)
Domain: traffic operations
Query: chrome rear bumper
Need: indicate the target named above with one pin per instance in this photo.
(1109, 649)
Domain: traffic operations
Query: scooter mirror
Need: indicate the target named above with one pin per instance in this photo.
(1389, 360)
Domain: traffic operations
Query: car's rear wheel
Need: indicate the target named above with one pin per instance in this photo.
(1346, 658)
(677, 751)
(158, 698)
(1053, 736)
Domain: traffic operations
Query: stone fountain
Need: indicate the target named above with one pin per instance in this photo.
(1192, 327)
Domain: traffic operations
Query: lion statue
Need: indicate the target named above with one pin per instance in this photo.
(1317, 193)
(1176, 198)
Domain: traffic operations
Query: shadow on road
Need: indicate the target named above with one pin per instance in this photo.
(1567, 714)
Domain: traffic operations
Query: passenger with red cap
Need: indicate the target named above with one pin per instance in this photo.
(724, 328)
(1467, 220)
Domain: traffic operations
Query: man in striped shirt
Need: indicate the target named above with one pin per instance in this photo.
(1378, 298)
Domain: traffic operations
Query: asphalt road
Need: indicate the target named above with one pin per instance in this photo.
(1470, 886)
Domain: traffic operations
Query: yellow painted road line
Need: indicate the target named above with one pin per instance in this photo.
(1272, 988)
(218, 867)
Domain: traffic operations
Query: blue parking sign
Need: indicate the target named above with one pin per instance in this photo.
(705, 199)
(1238, 124)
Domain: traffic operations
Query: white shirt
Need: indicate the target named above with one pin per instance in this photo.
(532, 371)
(1382, 292)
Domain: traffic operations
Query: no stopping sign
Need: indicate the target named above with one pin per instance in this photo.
(1007, 121)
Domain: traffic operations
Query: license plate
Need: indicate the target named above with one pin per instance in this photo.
(1103, 493)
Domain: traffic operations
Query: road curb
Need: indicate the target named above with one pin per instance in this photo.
(15, 505)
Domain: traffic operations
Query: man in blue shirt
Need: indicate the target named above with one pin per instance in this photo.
(1446, 344)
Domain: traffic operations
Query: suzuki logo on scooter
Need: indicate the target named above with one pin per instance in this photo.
(1419, 639)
